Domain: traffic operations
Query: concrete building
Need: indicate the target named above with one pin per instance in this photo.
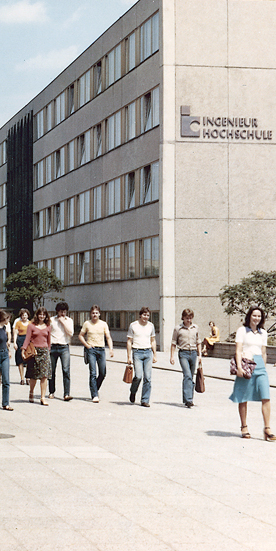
(146, 169)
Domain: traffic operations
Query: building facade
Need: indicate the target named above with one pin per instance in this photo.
(143, 174)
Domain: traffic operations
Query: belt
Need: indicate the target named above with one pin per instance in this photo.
(58, 344)
(141, 348)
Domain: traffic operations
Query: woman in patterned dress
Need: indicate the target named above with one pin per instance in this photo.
(39, 333)
(19, 334)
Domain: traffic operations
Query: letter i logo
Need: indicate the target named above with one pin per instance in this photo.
(185, 123)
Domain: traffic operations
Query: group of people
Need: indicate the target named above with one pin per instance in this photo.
(51, 338)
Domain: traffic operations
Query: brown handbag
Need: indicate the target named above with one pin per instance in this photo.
(200, 385)
(30, 352)
(128, 374)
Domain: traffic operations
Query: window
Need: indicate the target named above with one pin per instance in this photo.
(71, 99)
(71, 269)
(38, 172)
(59, 216)
(84, 207)
(113, 196)
(38, 224)
(150, 110)
(97, 78)
(149, 38)
(97, 211)
(60, 162)
(149, 183)
(114, 65)
(84, 148)
(97, 265)
(59, 267)
(49, 117)
(97, 140)
(114, 131)
(130, 260)
(130, 190)
(130, 52)
(113, 262)
(71, 155)
(130, 121)
(48, 168)
(3, 195)
(83, 267)
(70, 213)
(84, 89)
(39, 124)
(150, 257)
(60, 108)
(3, 153)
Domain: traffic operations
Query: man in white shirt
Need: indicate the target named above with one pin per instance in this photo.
(62, 329)
(141, 341)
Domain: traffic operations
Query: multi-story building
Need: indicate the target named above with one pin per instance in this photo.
(143, 174)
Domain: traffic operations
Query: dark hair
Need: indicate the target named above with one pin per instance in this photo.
(41, 310)
(95, 307)
(24, 311)
(62, 306)
(248, 316)
(212, 322)
(187, 312)
(4, 315)
(144, 310)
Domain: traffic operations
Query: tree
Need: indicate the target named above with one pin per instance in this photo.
(258, 289)
(32, 285)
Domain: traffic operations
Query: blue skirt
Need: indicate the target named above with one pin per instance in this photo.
(255, 389)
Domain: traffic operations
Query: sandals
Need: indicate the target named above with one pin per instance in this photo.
(8, 408)
(269, 436)
(245, 434)
(43, 403)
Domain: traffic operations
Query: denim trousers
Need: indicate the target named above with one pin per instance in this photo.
(142, 361)
(60, 351)
(96, 356)
(187, 360)
(5, 370)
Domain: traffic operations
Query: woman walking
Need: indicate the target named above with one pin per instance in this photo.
(251, 341)
(5, 361)
(19, 334)
(39, 333)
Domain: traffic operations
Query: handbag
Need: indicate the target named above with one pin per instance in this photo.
(30, 352)
(200, 384)
(248, 367)
(128, 374)
(85, 355)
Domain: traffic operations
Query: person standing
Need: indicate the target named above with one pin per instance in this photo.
(141, 341)
(5, 360)
(19, 334)
(62, 329)
(186, 338)
(95, 331)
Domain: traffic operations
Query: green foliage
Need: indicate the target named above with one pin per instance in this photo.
(32, 284)
(257, 289)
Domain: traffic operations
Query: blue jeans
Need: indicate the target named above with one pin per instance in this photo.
(60, 351)
(96, 355)
(142, 361)
(187, 360)
(5, 370)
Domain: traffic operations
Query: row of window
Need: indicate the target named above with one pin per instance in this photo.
(137, 47)
(3, 237)
(129, 191)
(3, 153)
(135, 259)
(100, 139)
(3, 195)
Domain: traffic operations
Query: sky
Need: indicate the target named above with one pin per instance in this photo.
(39, 38)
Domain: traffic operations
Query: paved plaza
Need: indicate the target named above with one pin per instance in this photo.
(115, 476)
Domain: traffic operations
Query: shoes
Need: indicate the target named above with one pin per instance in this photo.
(189, 404)
(268, 435)
(31, 397)
(22, 382)
(246, 434)
(68, 398)
(132, 398)
(145, 404)
(27, 381)
(8, 408)
(43, 403)
(51, 396)
(95, 399)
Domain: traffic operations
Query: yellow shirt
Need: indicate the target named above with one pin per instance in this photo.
(95, 332)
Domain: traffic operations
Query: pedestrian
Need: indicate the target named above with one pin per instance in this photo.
(92, 336)
(19, 334)
(62, 329)
(186, 338)
(251, 341)
(5, 356)
(141, 341)
(39, 367)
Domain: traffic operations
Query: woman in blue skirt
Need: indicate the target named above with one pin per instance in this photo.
(251, 341)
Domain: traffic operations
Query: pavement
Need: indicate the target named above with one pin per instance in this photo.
(115, 476)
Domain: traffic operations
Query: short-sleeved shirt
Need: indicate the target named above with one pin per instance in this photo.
(252, 343)
(95, 332)
(141, 334)
(21, 327)
(186, 338)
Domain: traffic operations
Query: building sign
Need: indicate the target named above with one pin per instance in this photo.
(225, 128)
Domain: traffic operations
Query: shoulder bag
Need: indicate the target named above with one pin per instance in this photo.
(248, 367)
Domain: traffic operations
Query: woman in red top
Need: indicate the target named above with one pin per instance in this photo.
(39, 333)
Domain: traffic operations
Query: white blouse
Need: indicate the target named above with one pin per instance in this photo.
(252, 343)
